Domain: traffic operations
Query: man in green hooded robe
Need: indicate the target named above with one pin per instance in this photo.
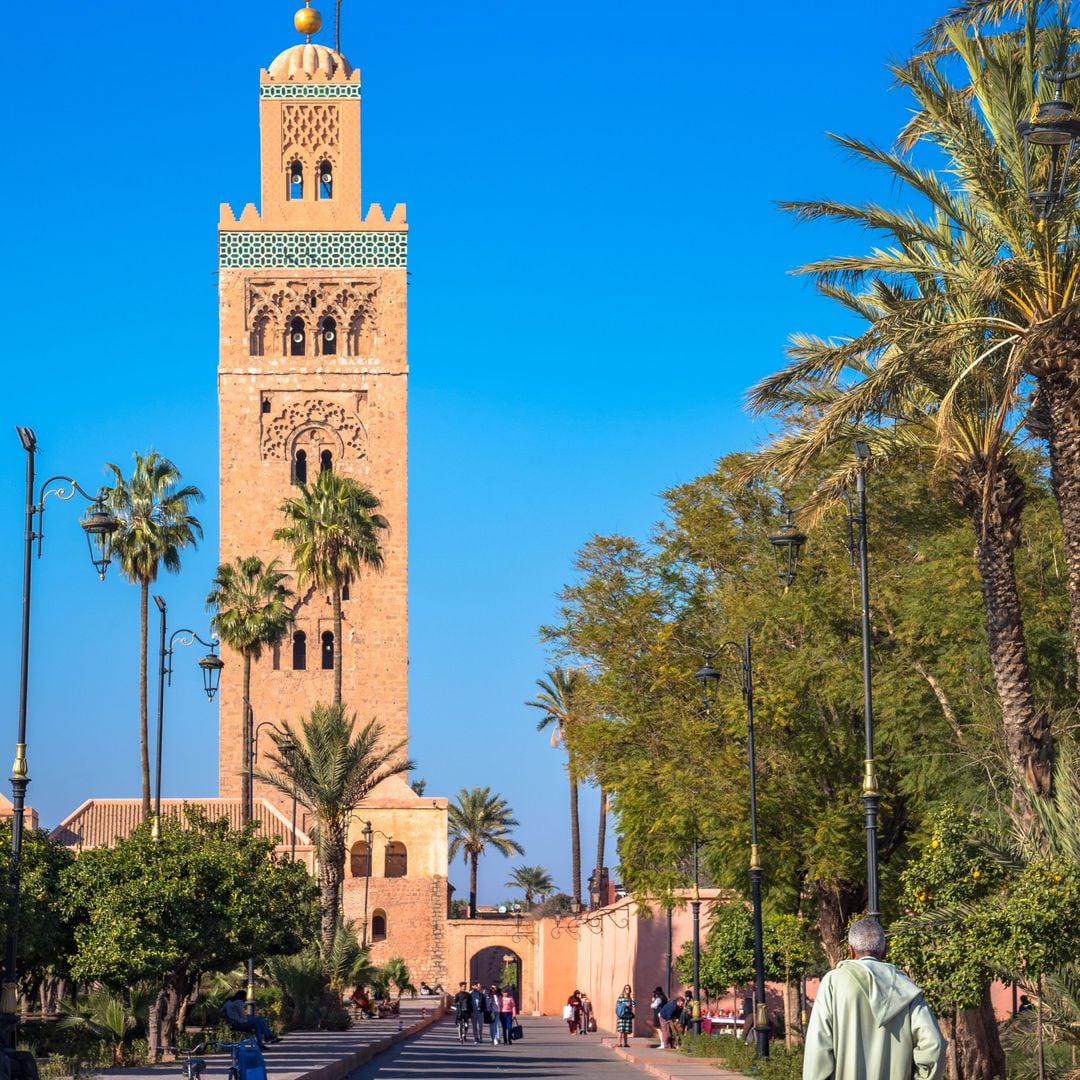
(870, 1021)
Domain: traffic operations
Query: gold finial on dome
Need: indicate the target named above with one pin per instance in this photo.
(307, 20)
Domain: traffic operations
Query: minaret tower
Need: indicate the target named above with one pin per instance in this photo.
(313, 375)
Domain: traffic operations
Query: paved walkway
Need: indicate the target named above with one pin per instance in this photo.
(311, 1055)
(546, 1052)
(668, 1064)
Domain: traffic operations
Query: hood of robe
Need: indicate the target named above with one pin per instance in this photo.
(887, 988)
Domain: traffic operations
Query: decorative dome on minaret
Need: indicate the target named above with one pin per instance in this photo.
(308, 60)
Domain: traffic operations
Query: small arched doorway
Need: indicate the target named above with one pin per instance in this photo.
(499, 965)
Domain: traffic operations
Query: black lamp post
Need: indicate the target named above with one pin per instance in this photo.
(695, 909)
(99, 525)
(368, 833)
(211, 665)
(859, 548)
(1050, 140)
(787, 545)
(709, 677)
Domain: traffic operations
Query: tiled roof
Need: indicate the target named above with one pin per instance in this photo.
(99, 822)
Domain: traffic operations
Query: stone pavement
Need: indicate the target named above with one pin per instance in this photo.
(669, 1064)
(312, 1055)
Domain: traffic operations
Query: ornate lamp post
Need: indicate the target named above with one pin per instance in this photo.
(859, 548)
(211, 665)
(368, 833)
(1050, 140)
(709, 677)
(99, 525)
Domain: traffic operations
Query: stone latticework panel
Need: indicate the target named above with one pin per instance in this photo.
(310, 128)
(279, 434)
(242, 250)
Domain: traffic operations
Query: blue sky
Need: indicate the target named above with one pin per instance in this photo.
(598, 273)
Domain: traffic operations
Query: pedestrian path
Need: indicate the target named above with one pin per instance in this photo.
(669, 1064)
(546, 1051)
(312, 1055)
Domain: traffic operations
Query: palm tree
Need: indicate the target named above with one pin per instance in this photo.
(533, 881)
(252, 610)
(331, 769)
(333, 533)
(479, 819)
(560, 691)
(156, 524)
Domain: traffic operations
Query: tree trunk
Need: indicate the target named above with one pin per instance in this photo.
(331, 875)
(601, 837)
(792, 1027)
(837, 902)
(474, 860)
(144, 741)
(575, 842)
(153, 1025)
(175, 991)
(996, 520)
(338, 643)
(974, 1047)
(1060, 393)
(245, 768)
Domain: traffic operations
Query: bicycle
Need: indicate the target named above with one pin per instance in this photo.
(245, 1060)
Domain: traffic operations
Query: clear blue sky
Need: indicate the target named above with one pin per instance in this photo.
(598, 272)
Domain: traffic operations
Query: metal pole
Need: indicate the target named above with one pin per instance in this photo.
(761, 1012)
(19, 771)
(368, 835)
(292, 846)
(155, 830)
(871, 797)
(249, 723)
(667, 982)
(695, 906)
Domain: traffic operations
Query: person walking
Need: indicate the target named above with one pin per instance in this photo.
(491, 1012)
(507, 1012)
(572, 1012)
(476, 1012)
(870, 1019)
(624, 1015)
(462, 1006)
(659, 998)
(588, 1021)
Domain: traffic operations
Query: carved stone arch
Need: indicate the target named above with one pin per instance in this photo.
(263, 329)
(302, 436)
(281, 434)
(361, 331)
(333, 312)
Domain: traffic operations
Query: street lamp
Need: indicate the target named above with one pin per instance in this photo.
(1055, 126)
(695, 907)
(709, 677)
(98, 525)
(368, 833)
(287, 746)
(871, 797)
(787, 544)
(211, 665)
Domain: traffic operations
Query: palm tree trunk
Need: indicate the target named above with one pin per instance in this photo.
(338, 651)
(144, 740)
(245, 757)
(601, 837)
(1028, 739)
(331, 875)
(575, 841)
(1060, 394)
(474, 860)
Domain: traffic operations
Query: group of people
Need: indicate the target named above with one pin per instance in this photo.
(578, 1013)
(476, 1009)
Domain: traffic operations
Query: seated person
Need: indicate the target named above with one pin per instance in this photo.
(425, 990)
(362, 1001)
(236, 1014)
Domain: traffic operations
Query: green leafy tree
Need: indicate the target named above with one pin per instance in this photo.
(396, 973)
(333, 767)
(726, 960)
(251, 606)
(334, 533)
(534, 881)
(348, 963)
(202, 899)
(560, 700)
(479, 820)
(156, 524)
(792, 951)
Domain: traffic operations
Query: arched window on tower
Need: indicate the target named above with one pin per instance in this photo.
(297, 337)
(326, 180)
(259, 328)
(328, 335)
(328, 650)
(295, 189)
(360, 860)
(326, 461)
(397, 860)
(299, 651)
(299, 469)
(378, 925)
